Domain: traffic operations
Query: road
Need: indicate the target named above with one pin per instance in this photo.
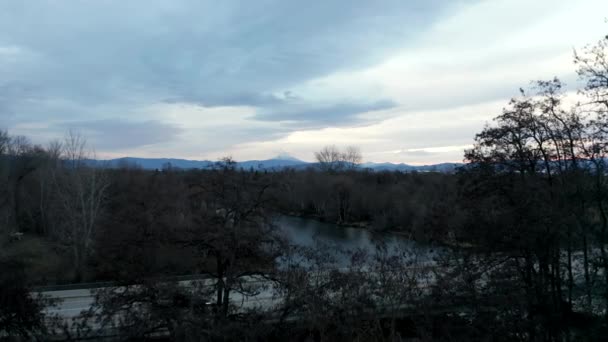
(72, 302)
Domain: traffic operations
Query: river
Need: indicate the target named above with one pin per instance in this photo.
(308, 233)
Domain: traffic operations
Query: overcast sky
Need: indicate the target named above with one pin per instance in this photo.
(406, 81)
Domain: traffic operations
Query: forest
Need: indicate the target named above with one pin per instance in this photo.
(521, 230)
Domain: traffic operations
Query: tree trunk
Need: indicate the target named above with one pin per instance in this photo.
(78, 263)
(570, 275)
(226, 302)
(586, 270)
(16, 208)
(602, 244)
(220, 282)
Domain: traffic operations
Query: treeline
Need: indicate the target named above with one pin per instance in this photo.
(73, 221)
(422, 206)
(49, 193)
(523, 232)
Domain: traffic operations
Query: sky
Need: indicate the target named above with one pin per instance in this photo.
(405, 81)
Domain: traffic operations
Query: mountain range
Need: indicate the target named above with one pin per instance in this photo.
(274, 164)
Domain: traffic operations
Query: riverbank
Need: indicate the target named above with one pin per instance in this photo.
(369, 226)
(319, 218)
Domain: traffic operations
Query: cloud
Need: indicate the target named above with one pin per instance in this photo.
(118, 134)
(440, 149)
(200, 79)
(419, 137)
(235, 99)
(62, 62)
(482, 53)
(233, 53)
(309, 116)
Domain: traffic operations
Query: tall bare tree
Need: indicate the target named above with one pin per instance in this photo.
(331, 159)
(232, 231)
(4, 142)
(81, 191)
(4, 193)
(592, 68)
(352, 156)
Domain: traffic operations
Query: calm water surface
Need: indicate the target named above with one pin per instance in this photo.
(306, 232)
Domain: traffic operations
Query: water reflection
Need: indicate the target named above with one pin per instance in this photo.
(310, 233)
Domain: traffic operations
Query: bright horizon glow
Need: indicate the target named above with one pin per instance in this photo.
(407, 82)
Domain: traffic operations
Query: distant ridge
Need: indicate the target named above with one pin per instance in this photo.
(275, 164)
(442, 167)
(152, 163)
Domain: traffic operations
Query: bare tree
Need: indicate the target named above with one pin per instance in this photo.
(4, 142)
(592, 67)
(21, 160)
(331, 159)
(54, 150)
(45, 196)
(352, 156)
(74, 150)
(4, 193)
(19, 145)
(232, 231)
(81, 191)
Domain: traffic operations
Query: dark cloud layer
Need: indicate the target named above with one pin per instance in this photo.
(228, 53)
(116, 134)
(339, 114)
